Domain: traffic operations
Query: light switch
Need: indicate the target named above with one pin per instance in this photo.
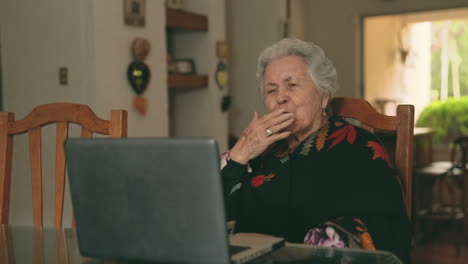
(63, 75)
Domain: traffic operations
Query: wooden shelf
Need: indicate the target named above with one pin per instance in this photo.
(175, 81)
(179, 19)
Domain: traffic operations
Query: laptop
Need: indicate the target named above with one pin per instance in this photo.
(157, 200)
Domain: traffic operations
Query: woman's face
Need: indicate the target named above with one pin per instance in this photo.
(288, 85)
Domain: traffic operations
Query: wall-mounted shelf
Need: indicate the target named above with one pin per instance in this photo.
(175, 81)
(178, 19)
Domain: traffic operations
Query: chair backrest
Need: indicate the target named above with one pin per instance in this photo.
(62, 114)
(399, 128)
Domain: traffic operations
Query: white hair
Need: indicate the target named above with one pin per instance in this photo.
(320, 68)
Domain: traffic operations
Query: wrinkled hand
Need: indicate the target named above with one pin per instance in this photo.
(255, 138)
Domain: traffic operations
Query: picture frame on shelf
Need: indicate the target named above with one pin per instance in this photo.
(182, 66)
(174, 4)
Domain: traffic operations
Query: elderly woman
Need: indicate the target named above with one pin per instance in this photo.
(305, 175)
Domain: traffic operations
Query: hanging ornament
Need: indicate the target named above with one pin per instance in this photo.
(140, 49)
(138, 73)
(221, 75)
(140, 104)
(226, 102)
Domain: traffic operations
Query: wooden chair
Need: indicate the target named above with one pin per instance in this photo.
(396, 133)
(62, 114)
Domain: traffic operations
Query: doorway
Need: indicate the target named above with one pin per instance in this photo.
(415, 58)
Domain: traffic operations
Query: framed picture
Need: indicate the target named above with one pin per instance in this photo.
(174, 4)
(222, 49)
(134, 12)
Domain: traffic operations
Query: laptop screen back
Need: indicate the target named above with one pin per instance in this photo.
(154, 199)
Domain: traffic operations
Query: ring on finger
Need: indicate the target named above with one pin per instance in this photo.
(269, 132)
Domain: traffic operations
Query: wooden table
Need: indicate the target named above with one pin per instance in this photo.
(27, 244)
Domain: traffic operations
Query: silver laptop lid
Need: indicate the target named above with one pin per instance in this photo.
(157, 199)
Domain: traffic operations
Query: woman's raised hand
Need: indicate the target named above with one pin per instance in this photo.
(260, 133)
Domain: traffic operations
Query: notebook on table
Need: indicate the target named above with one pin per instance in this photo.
(157, 199)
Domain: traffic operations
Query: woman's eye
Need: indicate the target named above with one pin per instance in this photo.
(270, 91)
(293, 84)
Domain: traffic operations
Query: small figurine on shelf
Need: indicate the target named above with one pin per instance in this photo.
(138, 73)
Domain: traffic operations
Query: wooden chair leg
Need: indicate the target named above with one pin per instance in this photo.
(62, 250)
(38, 253)
(7, 253)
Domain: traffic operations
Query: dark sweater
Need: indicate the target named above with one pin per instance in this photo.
(340, 170)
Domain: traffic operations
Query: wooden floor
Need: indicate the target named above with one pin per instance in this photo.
(440, 250)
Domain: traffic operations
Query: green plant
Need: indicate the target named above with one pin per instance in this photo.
(448, 118)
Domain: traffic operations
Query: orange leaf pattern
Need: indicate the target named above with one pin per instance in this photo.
(322, 136)
(259, 180)
(348, 132)
(379, 151)
(366, 239)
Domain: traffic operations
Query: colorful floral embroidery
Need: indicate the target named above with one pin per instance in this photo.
(341, 232)
(284, 159)
(348, 132)
(366, 239)
(322, 137)
(278, 149)
(326, 237)
(307, 145)
(280, 154)
(259, 180)
(235, 188)
(379, 151)
(317, 139)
